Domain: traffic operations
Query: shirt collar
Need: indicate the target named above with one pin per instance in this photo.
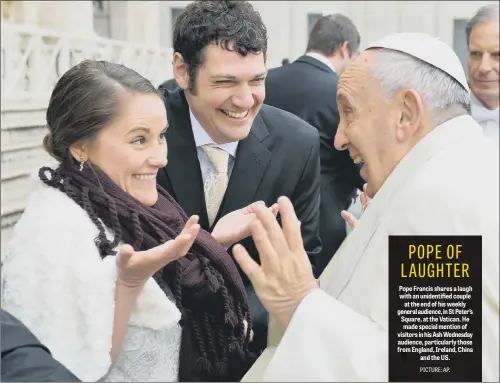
(480, 112)
(202, 138)
(321, 58)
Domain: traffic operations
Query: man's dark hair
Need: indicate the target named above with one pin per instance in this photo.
(233, 25)
(330, 32)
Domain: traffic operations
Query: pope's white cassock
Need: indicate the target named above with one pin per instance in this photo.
(340, 333)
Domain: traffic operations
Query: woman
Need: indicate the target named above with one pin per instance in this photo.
(171, 304)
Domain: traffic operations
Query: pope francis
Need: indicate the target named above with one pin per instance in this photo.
(405, 113)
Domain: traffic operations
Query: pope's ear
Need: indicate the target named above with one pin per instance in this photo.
(181, 71)
(412, 112)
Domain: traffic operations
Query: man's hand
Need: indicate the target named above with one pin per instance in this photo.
(235, 226)
(285, 276)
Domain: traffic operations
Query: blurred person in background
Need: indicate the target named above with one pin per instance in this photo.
(104, 267)
(169, 85)
(484, 68)
(308, 88)
(226, 149)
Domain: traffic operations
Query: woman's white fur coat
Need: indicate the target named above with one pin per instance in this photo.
(56, 283)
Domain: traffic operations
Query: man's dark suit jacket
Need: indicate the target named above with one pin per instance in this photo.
(170, 85)
(280, 157)
(24, 358)
(308, 89)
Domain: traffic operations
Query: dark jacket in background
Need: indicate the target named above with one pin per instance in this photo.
(170, 85)
(24, 358)
(308, 88)
(280, 157)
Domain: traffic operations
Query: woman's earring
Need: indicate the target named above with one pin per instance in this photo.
(82, 162)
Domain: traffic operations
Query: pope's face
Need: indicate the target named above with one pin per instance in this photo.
(377, 131)
(484, 63)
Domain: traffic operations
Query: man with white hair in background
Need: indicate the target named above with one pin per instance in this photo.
(483, 43)
(404, 109)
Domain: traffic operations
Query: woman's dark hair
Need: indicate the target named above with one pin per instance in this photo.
(86, 99)
(233, 25)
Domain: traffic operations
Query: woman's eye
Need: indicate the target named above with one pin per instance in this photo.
(163, 136)
(259, 81)
(139, 140)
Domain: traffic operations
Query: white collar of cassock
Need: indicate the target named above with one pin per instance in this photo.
(202, 138)
(480, 113)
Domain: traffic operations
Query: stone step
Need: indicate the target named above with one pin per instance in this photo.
(9, 220)
(14, 139)
(6, 234)
(17, 116)
(23, 161)
(15, 193)
(22, 131)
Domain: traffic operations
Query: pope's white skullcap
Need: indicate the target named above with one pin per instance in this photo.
(428, 49)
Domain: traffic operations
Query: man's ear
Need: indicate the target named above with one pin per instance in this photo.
(181, 73)
(412, 112)
(344, 50)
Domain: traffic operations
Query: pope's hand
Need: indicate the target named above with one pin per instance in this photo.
(348, 217)
(235, 226)
(285, 275)
(135, 267)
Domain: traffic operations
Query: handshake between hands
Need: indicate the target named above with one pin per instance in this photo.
(281, 281)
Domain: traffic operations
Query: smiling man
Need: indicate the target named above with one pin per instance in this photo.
(483, 40)
(227, 149)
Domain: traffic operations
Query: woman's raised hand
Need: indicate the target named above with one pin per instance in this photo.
(136, 267)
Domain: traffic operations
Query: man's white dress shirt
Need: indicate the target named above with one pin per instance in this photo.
(322, 59)
(488, 119)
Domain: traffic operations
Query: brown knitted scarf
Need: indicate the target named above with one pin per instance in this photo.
(207, 287)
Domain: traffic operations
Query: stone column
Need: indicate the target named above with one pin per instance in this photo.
(143, 22)
(72, 17)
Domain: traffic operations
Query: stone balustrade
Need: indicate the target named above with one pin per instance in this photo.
(33, 59)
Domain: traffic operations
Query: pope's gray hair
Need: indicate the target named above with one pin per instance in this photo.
(396, 70)
(483, 15)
